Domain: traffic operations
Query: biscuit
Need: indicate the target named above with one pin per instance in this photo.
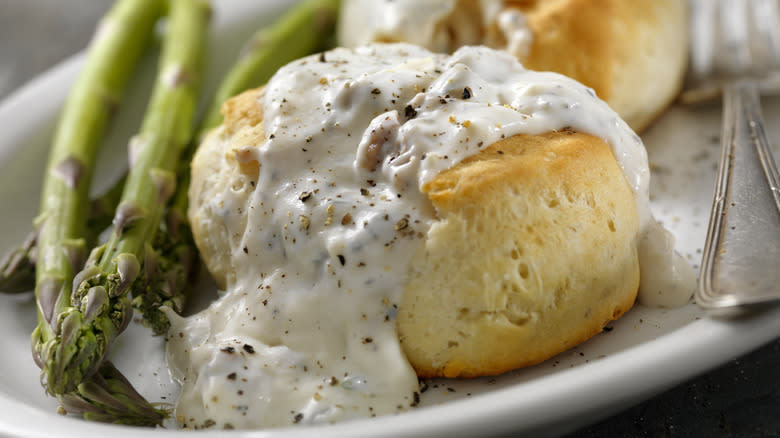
(534, 249)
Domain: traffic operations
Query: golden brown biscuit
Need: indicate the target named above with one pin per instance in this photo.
(633, 53)
(534, 250)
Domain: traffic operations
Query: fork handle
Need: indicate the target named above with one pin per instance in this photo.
(741, 261)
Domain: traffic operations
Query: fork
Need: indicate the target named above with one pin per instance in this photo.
(735, 47)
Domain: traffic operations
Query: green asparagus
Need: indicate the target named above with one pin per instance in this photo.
(61, 245)
(99, 308)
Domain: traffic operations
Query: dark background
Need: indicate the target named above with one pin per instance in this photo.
(738, 399)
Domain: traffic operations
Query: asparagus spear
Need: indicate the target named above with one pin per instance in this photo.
(17, 268)
(304, 29)
(99, 308)
(107, 396)
(114, 51)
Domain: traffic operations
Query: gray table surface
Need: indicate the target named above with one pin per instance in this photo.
(738, 399)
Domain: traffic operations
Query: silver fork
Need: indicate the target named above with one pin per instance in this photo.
(736, 48)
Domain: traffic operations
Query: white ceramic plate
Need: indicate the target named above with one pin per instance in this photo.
(647, 351)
